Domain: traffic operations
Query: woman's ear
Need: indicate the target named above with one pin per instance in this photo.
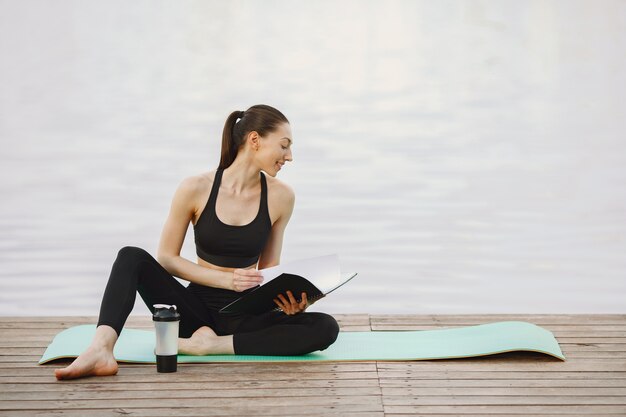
(254, 139)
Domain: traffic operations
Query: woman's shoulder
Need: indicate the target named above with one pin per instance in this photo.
(197, 183)
(280, 190)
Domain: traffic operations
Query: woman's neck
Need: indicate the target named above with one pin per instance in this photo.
(240, 176)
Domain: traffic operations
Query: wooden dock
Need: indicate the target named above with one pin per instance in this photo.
(592, 382)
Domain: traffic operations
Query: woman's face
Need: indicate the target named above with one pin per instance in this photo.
(275, 149)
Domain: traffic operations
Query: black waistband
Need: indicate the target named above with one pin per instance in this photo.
(226, 261)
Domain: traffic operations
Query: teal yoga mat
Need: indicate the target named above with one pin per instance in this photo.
(461, 342)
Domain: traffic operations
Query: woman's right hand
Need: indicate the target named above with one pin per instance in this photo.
(244, 279)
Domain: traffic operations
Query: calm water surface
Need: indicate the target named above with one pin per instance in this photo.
(463, 157)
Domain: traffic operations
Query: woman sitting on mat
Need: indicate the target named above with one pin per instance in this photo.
(239, 217)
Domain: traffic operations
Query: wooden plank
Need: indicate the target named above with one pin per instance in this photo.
(596, 355)
(552, 327)
(19, 359)
(524, 414)
(373, 402)
(485, 365)
(545, 400)
(487, 318)
(40, 333)
(416, 325)
(593, 347)
(22, 351)
(25, 360)
(490, 415)
(592, 340)
(498, 383)
(268, 368)
(246, 409)
(503, 391)
(351, 328)
(49, 319)
(123, 377)
(478, 375)
(517, 410)
(70, 319)
(284, 391)
(93, 384)
(385, 377)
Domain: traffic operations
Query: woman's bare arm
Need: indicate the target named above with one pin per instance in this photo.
(270, 256)
(181, 213)
(271, 253)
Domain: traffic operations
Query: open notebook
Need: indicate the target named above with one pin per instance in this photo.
(317, 277)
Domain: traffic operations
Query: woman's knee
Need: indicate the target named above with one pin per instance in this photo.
(127, 261)
(132, 253)
(326, 329)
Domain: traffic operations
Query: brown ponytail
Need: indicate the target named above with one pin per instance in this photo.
(260, 118)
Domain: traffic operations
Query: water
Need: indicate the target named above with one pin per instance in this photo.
(463, 157)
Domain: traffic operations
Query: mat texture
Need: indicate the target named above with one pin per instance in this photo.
(486, 339)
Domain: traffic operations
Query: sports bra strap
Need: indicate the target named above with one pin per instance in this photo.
(263, 192)
(215, 188)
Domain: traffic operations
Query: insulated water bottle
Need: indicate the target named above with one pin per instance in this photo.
(166, 320)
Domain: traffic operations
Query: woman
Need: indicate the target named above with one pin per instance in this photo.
(239, 217)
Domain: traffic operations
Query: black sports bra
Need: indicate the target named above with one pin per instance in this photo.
(227, 245)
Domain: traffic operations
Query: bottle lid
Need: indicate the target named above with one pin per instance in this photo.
(165, 312)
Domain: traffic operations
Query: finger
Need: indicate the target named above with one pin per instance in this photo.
(283, 307)
(254, 276)
(247, 273)
(249, 287)
(248, 281)
(245, 285)
(279, 304)
(286, 304)
(304, 301)
(293, 304)
(292, 299)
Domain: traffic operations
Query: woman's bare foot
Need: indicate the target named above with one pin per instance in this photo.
(93, 361)
(98, 359)
(205, 341)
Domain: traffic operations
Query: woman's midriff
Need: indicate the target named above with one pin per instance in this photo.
(206, 264)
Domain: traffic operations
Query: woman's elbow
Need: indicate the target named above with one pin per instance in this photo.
(165, 260)
(267, 263)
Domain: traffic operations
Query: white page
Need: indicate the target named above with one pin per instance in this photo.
(345, 277)
(322, 271)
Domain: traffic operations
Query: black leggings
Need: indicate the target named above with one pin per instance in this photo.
(273, 333)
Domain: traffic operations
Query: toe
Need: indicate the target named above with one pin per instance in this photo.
(62, 373)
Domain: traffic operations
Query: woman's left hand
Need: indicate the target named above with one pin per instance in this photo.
(290, 306)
